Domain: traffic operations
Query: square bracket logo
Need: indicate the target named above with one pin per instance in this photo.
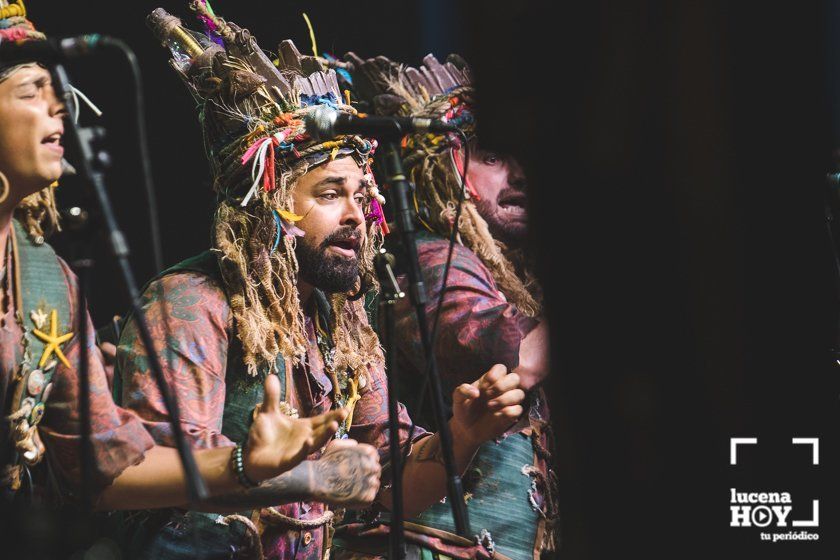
(771, 510)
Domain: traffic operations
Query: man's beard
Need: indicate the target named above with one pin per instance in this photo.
(328, 272)
(512, 233)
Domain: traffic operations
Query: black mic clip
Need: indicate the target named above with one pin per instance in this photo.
(324, 123)
(52, 50)
(384, 263)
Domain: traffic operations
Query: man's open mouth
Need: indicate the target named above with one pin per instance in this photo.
(512, 204)
(512, 199)
(349, 245)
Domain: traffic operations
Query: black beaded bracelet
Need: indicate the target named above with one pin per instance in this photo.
(238, 466)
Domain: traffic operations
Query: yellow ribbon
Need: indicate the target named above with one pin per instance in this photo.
(289, 216)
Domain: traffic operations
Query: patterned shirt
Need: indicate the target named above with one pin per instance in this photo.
(119, 439)
(477, 328)
(191, 322)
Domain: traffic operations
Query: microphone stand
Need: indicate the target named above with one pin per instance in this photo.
(389, 296)
(389, 155)
(91, 168)
(83, 265)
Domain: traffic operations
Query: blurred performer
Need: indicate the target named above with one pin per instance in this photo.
(39, 435)
(296, 228)
(38, 296)
(491, 312)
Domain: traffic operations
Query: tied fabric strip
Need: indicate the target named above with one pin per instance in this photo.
(258, 149)
(378, 216)
(14, 34)
(262, 168)
(285, 222)
(268, 175)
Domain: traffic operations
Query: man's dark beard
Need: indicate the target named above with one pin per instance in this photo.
(512, 234)
(326, 271)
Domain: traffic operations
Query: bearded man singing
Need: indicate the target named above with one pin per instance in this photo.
(297, 225)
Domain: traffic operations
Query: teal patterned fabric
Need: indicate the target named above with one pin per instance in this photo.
(500, 498)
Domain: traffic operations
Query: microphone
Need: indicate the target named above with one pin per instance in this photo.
(324, 123)
(385, 263)
(51, 50)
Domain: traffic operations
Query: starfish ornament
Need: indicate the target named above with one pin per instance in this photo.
(53, 340)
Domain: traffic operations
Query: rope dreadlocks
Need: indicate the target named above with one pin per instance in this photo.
(251, 112)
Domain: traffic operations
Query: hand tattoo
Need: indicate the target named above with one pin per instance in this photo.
(342, 476)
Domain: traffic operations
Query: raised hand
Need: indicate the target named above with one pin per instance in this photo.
(347, 474)
(486, 408)
(277, 442)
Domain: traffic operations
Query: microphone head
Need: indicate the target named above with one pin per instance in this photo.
(320, 123)
(82, 45)
(388, 258)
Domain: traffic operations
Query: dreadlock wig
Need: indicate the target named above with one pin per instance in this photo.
(251, 111)
(37, 212)
(442, 91)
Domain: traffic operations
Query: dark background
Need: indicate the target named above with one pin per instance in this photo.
(677, 153)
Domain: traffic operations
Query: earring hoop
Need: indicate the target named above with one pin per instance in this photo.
(4, 188)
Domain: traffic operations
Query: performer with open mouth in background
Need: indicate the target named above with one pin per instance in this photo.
(491, 313)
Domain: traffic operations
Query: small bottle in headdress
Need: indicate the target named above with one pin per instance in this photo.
(184, 44)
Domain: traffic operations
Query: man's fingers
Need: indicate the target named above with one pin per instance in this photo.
(507, 383)
(339, 443)
(324, 426)
(509, 412)
(322, 434)
(369, 457)
(465, 392)
(374, 488)
(491, 377)
(332, 416)
(507, 398)
(109, 351)
(271, 399)
(371, 452)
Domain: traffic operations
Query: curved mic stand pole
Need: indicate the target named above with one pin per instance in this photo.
(395, 177)
(389, 295)
(90, 167)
